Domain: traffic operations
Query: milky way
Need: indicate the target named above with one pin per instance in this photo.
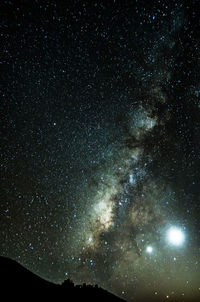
(100, 140)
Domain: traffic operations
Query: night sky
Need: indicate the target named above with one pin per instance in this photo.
(100, 144)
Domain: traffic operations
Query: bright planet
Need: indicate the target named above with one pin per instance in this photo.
(175, 236)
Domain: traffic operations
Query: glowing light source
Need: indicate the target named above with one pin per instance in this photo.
(175, 236)
(149, 249)
(131, 179)
(90, 239)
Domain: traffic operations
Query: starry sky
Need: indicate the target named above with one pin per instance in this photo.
(100, 140)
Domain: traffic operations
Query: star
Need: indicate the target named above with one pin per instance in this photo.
(149, 249)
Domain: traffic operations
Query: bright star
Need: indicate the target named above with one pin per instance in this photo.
(90, 239)
(131, 179)
(175, 236)
(149, 249)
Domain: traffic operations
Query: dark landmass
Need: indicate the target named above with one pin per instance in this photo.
(16, 282)
(19, 284)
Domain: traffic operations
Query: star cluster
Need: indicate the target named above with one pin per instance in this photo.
(100, 140)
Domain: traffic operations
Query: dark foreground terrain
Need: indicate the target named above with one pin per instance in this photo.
(16, 282)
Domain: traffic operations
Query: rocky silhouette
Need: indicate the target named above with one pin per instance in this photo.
(16, 282)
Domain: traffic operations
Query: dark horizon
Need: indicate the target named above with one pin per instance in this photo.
(18, 282)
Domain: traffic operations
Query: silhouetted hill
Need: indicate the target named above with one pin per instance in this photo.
(16, 282)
